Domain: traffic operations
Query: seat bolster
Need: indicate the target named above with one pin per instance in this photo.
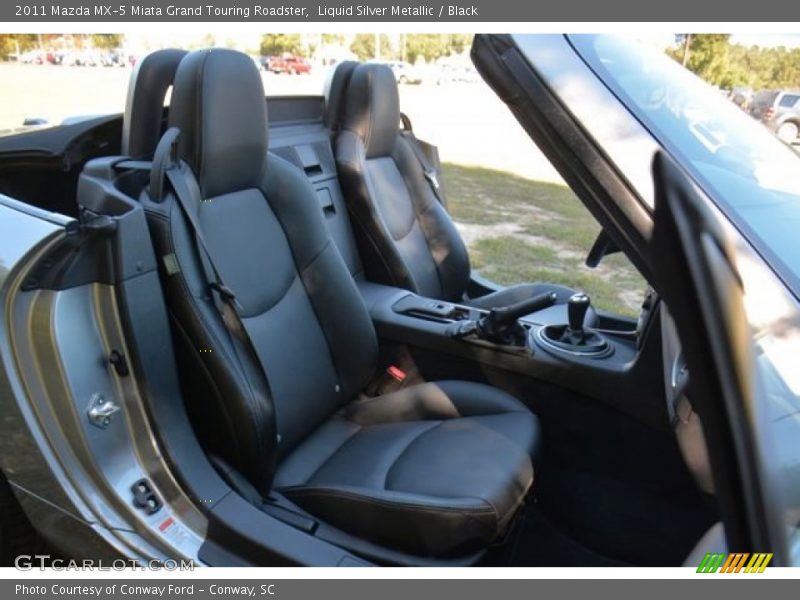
(380, 256)
(334, 92)
(444, 242)
(421, 525)
(230, 395)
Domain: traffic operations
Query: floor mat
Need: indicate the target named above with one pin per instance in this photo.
(536, 542)
(628, 522)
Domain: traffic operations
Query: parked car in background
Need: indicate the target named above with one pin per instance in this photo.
(54, 57)
(81, 58)
(289, 63)
(779, 110)
(262, 62)
(741, 97)
(456, 74)
(404, 72)
(33, 57)
(113, 58)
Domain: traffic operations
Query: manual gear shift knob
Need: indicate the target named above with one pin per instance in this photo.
(576, 310)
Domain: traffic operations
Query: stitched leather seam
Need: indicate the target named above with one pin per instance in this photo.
(370, 89)
(314, 258)
(277, 301)
(200, 144)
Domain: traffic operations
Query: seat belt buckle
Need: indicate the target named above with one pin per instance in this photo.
(432, 179)
(227, 294)
(396, 373)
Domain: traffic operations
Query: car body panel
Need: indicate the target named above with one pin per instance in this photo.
(62, 466)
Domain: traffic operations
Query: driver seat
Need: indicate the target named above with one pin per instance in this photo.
(435, 470)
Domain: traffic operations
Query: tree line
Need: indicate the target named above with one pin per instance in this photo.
(409, 47)
(723, 64)
(12, 43)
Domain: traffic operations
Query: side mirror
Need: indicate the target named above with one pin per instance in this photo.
(602, 247)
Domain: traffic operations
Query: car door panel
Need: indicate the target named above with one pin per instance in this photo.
(698, 278)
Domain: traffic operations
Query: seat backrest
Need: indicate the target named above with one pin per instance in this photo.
(334, 92)
(150, 80)
(406, 237)
(261, 223)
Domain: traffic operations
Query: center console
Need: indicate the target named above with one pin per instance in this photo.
(533, 338)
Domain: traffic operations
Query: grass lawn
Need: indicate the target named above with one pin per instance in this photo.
(521, 230)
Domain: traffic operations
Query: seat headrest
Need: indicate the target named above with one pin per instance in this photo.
(144, 107)
(335, 90)
(218, 104)
(372, 110)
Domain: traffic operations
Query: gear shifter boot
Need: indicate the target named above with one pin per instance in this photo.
(583, 342)
(573, 337)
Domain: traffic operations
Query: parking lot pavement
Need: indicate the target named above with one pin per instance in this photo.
(466, 120)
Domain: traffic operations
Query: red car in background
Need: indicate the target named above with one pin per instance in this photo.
(288, 63)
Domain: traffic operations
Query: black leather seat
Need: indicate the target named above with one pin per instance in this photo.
(406, 236)
(437, 469)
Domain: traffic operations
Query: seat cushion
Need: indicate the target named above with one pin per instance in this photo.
(436, 469)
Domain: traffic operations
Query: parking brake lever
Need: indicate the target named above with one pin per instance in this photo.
(501, 326)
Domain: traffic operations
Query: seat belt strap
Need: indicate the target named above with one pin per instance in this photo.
(428, 169)
(188, 195)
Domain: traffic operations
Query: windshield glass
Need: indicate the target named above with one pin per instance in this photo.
(741, 165)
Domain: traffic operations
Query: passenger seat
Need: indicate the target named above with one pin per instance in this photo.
(406, 236)
(434, 470)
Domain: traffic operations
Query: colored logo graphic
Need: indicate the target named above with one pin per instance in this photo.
(736, 562)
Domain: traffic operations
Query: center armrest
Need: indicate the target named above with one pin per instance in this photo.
(404, 316)
(377, 295)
